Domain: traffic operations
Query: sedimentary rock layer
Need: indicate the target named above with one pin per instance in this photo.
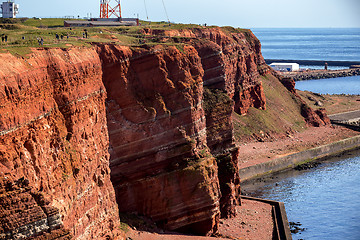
(25, 213)
(161, 165)
(53, 134)
(231, 59)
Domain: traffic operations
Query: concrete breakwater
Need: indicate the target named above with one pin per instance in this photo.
(292, 160)
(321, 74)
(348, 119)
(282, 227)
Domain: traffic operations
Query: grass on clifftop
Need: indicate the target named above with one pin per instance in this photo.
(23, 34)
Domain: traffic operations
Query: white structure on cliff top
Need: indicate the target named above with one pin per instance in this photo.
(285, 67)
(9, 9)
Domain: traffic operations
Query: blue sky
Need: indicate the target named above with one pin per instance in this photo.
(237, 13)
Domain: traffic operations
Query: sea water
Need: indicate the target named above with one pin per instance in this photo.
(325, 200)
(328, 44)
(343, 85)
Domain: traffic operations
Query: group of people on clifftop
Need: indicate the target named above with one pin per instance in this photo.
(58, 37)
(4, 38)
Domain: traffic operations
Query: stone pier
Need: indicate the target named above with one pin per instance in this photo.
(350, 119)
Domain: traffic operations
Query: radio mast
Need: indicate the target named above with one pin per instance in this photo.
(107, 11)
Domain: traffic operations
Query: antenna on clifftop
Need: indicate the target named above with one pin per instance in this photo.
(107, 11)
(167, 16)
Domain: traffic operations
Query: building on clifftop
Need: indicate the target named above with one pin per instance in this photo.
(9, 9)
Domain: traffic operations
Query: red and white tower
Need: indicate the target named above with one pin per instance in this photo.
(107, 11)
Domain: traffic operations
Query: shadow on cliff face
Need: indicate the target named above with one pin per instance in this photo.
(139, 223)
(161, 165)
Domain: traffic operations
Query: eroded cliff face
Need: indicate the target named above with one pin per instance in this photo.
(313, 118)
(53, 136)
(180, 101)
(159, 117)
(160, 163)
(231, 60)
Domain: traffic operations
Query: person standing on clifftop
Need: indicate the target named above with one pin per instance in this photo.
(326, 66)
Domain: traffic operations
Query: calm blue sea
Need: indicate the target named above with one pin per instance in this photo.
(329, 44)
(324, 200)
(343, 85)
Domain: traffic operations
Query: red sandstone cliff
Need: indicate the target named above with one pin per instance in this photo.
(53, 136)
(313, 118)
(161, 165)
(231, 60)
(160, 116)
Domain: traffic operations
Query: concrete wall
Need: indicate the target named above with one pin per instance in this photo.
(290, 161)
(280, 218)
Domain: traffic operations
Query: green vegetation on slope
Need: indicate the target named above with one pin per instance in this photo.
(282, 114)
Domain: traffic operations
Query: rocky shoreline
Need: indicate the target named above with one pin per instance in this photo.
(321, 74)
